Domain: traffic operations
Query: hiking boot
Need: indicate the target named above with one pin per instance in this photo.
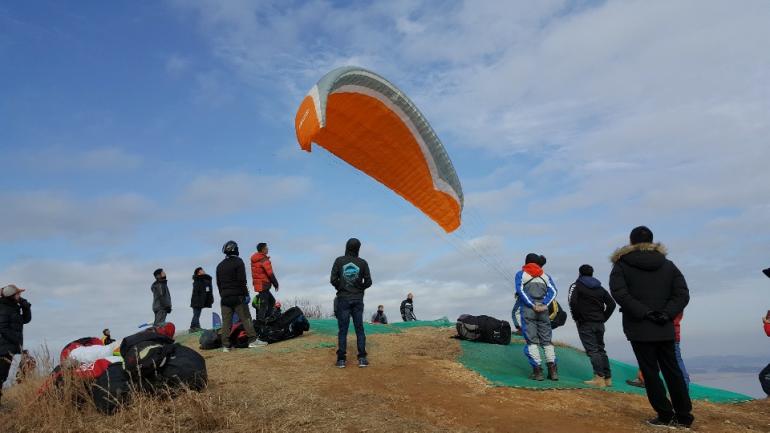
(608, 382)
(537, 374)
(597, 381)
(553, 372)
(636, 382)
(363, 362)
(659, 422)
(257, 343)
(226, 350)
(340, 363)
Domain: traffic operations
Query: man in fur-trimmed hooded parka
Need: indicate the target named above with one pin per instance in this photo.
(651, 292)
(535, 291)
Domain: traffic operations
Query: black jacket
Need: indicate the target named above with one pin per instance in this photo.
(161, 297)
(407, 310)
(644, 280)
(231, 281)
(13, 316)
(589, 301)
(350, 274)
(202, 295)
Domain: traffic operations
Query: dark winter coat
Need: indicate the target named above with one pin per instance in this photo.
(407, 310)
(350, 274)
(231, 281)
(13, 316)
(202, 295)
(161, 297)
(589, 301)
(644, 280)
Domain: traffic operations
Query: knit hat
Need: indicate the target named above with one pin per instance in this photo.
(586, 270)
(640, 235)
(535, 258)
(157, 272)
(9, 291)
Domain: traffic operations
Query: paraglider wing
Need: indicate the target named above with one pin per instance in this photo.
(368, 122)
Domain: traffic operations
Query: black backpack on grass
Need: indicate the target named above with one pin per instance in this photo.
(292, 323)
(210, 340)
(185, 368)
(483, 328)
(145, 353)
(112, 389)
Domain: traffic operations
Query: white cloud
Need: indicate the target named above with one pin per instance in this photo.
(61, 159)
(176, 65)
(231, 193)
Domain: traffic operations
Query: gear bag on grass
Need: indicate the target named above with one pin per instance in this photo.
(209, 340)
(483, 328)
(145, 353)
(292, 323)
(186, 368)
(111, 389)
(238, 337)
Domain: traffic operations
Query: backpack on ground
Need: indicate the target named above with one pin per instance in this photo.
(239, 339)
(291, 324)
(483, 328)
(209, 340)
(111, 389)
(145, 353)
(186, 368)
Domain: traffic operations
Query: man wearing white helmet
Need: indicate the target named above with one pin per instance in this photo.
(15, 312)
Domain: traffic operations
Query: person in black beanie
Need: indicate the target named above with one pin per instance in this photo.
(651, 292)
(591, 305)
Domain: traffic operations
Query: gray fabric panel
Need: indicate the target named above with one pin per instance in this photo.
(351, 76)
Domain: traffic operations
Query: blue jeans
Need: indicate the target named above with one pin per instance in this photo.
(680, 361)
(196, 320)
(344, 309)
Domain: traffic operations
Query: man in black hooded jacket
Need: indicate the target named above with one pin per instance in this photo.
(231, 282)
(591, 305)
(350, 276)
(651, 292)
(15, 312)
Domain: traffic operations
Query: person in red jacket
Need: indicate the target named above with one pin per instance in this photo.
(263, 278)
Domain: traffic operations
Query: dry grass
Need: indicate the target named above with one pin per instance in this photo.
(413, 385)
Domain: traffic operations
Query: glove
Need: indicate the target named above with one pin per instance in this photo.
(23, 303)
(657, 317)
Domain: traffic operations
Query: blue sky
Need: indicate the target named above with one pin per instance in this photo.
(140, 135)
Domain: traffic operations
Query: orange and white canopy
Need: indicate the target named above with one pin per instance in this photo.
(368, 122)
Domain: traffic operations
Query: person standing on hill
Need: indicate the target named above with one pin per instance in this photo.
(591, 306)
(202, 297)
(536, 290)
(233, 289)
(161, 297)
(263, 278)
(350, 277)
(15, 312)
(407, 309)
(764, 375)
(651, 292)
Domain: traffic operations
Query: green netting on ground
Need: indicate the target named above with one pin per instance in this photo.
(329, 326)
(508, 366)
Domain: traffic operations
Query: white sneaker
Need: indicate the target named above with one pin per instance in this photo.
(257, 343)
(226, 349)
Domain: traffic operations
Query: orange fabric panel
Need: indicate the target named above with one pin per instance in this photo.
(365, 133)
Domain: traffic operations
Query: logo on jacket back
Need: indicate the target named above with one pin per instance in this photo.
(350, 272)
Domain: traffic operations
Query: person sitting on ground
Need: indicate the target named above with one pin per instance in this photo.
(651, 292)
(536, 290)
(350, 277)
(591, 306)
(379, 316)
(15, 312)
(202, 297)
(407, 309)
(27, 366)
(232, 285)
(161, 297)
(107, 338)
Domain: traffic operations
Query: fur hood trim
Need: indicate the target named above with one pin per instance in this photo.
(644, 246)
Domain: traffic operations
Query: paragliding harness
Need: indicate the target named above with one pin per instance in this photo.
(145, 353)
(483, 329)
(290, 324)
(556, 314)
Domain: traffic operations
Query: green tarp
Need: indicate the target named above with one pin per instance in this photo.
(508, 366)
(329, 326)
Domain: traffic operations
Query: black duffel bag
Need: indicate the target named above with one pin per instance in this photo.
(111, 389)
(483, 328)
(209, 340)
(292, 323)
(185, 368)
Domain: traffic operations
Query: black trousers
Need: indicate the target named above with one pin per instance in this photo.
(266, 305)
(660, 357)
(592, 336)
(5, 366)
